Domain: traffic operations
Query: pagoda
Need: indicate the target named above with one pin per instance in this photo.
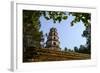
(53, 40)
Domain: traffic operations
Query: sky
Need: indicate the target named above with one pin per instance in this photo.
(69, 36)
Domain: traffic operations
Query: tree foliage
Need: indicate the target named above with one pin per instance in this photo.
(75, 49)
(65, 49)
(84, 17)
(31, 26)
(82, 49)
(56, 16)
(87, 35)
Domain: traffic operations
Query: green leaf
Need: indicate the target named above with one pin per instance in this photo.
(59, 19)
(72, 23)
(65, 17)
(47, 18)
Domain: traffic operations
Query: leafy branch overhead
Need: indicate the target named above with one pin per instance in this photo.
(55, 15)
(59, 16)
(84, 17)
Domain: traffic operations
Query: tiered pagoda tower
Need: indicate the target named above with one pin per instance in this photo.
(53, 40)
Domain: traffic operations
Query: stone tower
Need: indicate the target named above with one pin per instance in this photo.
(53, 40)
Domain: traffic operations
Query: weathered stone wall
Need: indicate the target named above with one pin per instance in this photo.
(54, 55)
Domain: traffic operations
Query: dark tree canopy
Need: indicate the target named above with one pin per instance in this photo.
(75, 49)
(65, 49)
(57, 16)
(84, 17)
(31, 26)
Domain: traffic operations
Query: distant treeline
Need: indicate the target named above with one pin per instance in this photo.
(82, 49)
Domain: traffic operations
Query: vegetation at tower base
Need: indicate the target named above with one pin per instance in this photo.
(32, 36)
